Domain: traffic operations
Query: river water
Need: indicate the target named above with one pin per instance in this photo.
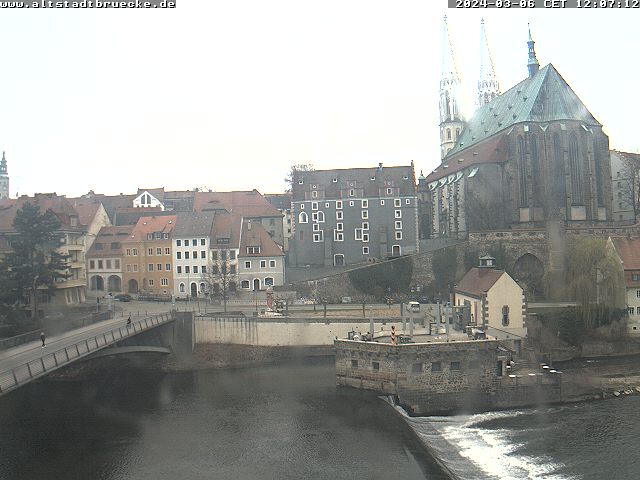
(290, 422)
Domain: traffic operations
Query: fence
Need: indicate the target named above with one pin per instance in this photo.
(13, 378)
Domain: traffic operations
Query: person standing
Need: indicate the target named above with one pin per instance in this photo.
(129, 321)
(42, 337)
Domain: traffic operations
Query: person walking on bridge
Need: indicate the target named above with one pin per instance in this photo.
(42, 337)
(129, 321)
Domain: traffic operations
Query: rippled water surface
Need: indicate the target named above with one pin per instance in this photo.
(276, 422)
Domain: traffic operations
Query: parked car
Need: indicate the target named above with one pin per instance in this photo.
(123, 297)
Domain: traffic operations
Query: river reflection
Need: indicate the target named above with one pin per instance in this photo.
(281, 422)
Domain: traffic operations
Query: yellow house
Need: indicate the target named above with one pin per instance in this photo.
(495, 299)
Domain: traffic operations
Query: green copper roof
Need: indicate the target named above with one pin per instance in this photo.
(545, 97)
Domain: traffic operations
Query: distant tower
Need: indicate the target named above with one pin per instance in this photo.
(488, 86)
(451, 120)
(532, 63)
(4, 178)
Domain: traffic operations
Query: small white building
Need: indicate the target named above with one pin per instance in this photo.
(496, 301)
(190, 245)
(260, 259)
(628, 251)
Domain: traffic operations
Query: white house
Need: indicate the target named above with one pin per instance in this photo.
(260, 259)
(496, 300)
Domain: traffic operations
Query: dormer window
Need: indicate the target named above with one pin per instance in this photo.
(73, 221)
(335, 180)
(253, 250)
(301, 181)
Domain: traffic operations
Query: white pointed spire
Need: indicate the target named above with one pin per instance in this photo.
(488, 85)
(451, 119)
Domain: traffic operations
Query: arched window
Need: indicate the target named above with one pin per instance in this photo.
(457, 134)
(448, 134)
(576, 170)
(597, 160)
(182, 288)
(321, 217)
(522, 173)
(303, 217)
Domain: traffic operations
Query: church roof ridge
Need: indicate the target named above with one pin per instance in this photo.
(544, 97)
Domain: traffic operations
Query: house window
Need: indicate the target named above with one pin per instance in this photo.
(203, 241)
(178, 243)
(352, 192)
(354, 363)
(167, 267)
(631, 310)
(245, 284)
(128, 252)
(92, 264)
(389, 191)
(247, 264)
(232, 254)
(164, 282)
(186, 269)
(167, 251)
(397, 202)
(181, 288)
(253, 250)
(339, 215)
(335, 180)
(135, 267)
(339, 226)
(179, 269)
(365, 250)
(128, 267)
(316, 227)
(398, 225)
(179, 255)
(398, 213)
(158, 250)
(150, 267)
(365, 214)
(195, 269)
(436, 367)
(637, 293)
(303, 217)
(263, 264)
(214, 255)
(314, 194)
(505, 315)
(149, 236)
(159, 267)
(150, 251)
(338, 204)
(382, 203)
(204, 269)
(365, 225)
(326, 205)
(314, 205)
(375, 366)
(454, 366)
(365, 237)
(416, 368)
(407, 201)
(268, 281)
(320, 217)
(365, 203)
(186, 255)
(135, 252)
(203, 254)
(272, 264)
(398, 235)
(358, 234)
(351, 203)
(195, 254)
(318, 237)
(117, 263)
(151, 282)
(339, 236)
(635, 277)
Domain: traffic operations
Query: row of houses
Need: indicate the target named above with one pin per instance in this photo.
(157, 242)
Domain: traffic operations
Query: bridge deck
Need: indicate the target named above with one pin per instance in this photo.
(22, 364)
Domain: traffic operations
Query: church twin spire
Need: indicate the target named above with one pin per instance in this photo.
(488, 85)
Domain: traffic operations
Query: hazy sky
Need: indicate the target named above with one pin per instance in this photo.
(228, 94)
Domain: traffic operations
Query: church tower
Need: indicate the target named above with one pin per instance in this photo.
(4, 178)
(488, 86)
(532, 63)
(451, 120)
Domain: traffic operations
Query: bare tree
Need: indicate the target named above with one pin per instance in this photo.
(301, 167)
(219, 279)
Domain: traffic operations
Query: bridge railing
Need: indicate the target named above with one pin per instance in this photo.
(52, 360)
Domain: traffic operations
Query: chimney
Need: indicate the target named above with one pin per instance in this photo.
(249, 225)
(380, 166)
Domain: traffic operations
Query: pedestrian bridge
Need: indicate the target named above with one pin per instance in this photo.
(23, 364)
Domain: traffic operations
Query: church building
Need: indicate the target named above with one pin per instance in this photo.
(530, 155)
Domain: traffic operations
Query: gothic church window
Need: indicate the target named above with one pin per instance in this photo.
(522, 173)
(576, 170)
(536, 171)
(448, 134)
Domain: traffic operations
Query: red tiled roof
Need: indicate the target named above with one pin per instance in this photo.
(226, 226)
(629, 251)
(59, 205)
(247, 204)
(146, 225)
(478, 281)
(254, 235)
(108, 235)
(86, 213)
(492, 150)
